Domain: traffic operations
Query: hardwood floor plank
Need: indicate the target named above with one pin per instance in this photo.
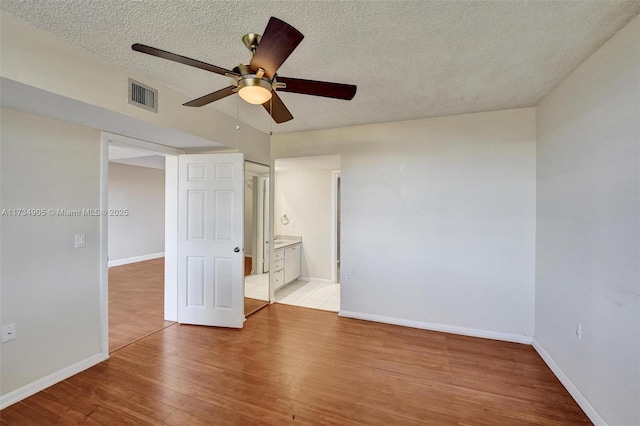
(48, 407)
(291, 365)
(253, 305)
(136, 302)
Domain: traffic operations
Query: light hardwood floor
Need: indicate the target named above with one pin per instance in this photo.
(252, 306)
(292, 365)
(136, 302)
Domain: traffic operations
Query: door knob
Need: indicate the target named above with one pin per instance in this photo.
(237, 249)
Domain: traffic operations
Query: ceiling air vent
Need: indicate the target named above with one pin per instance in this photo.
(143, 96)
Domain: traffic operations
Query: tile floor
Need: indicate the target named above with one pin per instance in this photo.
(257, 286)
(311, 294)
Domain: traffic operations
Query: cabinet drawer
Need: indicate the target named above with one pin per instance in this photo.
(278, 265)
(278, 254)
(278, 277)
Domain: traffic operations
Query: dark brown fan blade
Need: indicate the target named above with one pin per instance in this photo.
(280, 112)
(211, 97)
(318, 88)
(277, 43)
(179, 58)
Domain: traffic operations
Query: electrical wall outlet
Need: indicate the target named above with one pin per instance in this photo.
(8, 333)
(347, 277)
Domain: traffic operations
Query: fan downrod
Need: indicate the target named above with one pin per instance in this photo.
(251, 41)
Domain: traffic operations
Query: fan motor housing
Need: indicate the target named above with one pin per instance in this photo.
(252, 80)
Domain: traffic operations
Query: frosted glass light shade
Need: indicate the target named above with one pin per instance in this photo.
(254, 90)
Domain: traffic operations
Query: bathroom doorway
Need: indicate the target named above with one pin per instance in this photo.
(305, 226)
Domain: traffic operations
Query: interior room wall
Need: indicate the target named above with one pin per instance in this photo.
(588, 232)
(438, 220)
(139, 234)
(50, 290)
(305, 197)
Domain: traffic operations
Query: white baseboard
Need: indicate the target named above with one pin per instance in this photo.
(486, 334)
(583, 402)
(134, 259)
(322, 280)
(50, 380)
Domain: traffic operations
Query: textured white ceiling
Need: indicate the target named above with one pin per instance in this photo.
(409, 59)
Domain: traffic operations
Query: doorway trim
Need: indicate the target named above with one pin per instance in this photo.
(104, 245)
(335, 214)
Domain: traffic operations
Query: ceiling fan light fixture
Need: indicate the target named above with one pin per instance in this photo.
(254, 90)
(256, 82)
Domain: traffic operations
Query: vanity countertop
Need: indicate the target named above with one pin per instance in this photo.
(282, 241)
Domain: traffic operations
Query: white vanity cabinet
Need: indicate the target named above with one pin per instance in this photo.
(291, 263)
(286, 264)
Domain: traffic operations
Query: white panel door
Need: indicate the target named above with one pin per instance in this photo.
(210, 239)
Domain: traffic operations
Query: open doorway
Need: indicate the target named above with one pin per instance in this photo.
(306, 242)
(172, 293)
(135, 221)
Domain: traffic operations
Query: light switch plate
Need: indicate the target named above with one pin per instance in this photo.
(8, 333)
(79, 240)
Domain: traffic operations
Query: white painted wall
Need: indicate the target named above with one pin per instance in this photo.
(305, 197)
(438, 219)
(588, 230)
(140, 190)
(50, 289)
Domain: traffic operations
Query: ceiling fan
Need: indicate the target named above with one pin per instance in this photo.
(257, 82)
